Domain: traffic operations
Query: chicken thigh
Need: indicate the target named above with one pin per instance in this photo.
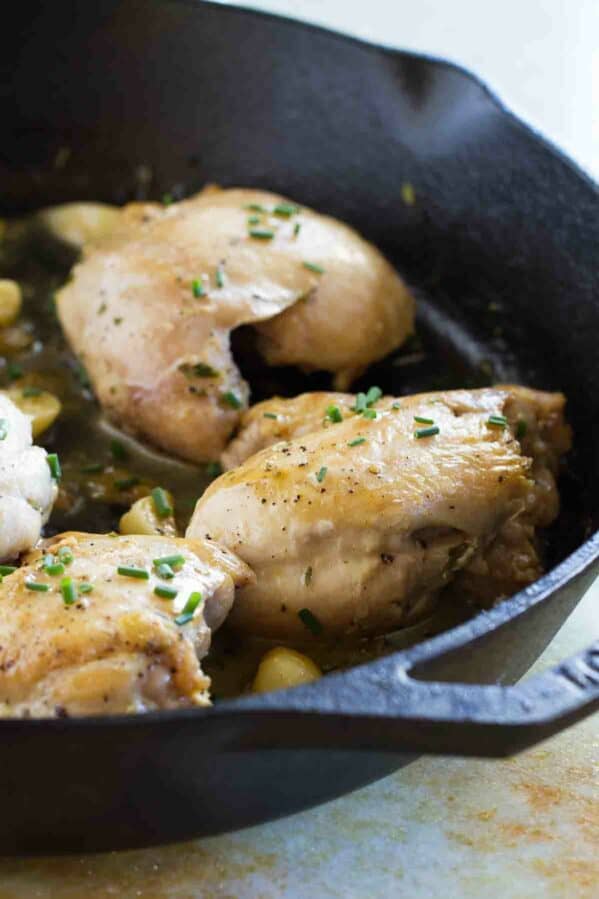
(357, 526)
(150, 308)
(97, 624)
(27, 488)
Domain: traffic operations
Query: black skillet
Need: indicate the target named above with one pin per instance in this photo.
(156, 96)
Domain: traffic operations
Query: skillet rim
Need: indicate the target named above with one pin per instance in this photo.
(583, 558)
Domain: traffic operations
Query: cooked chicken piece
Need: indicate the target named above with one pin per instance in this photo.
(96, 637)
(150, 309)
(357, 526)
(27, 489)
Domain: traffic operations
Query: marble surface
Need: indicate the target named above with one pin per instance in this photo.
(522, 828)
(526, 827)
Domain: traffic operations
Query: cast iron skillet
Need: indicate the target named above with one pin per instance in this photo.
(155, 96)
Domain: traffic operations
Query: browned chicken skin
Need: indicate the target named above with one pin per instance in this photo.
(118, 647)
(150, 308)
(362, 522)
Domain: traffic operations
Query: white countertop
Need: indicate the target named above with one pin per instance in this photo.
(524, 828)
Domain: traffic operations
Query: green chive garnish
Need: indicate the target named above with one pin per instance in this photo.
(286, 209)
(68, 590)
(310, 621)
(197, 288)
(175, 561)
(322, 474)
(54, 569)
(255, 207)
(374, 394)
(127, 483)
(131, 571)
(396, 406)
(167, 199)
(200, 370)
(28, 392)
(219, 277)
(162, 507)
(270, 415)
(86, 588)
(35, 587)
(313, 267)
(65, 555)
(3, 428)
(334, 414)
(231, 399)
(188, 609)
(521, 429)
(296, 228)
(165, 571)
(94, 468)
(369, 413)
(262, 233)
(119, 453)
(54, 466)
(253, 220)
(357, 441)
(7, 569)
(426, 432)
(165, 592)
(497, 421)
(424, 421)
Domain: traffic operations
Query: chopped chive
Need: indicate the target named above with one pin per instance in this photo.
(197, 288)
(286, 210)
(54, 466)
(65, 555)
(322, 474)
(189, 608)
(426, 432)
(396, 405)
(68, 590)
(231, 399)
(308, 576)
(199, 370)
(369, 413)
(119, 453)
(7, 569)
(175, 561)
(3, 428)
(255, 207)
(14, 371)
(357, 441)
(374, 394)
(127, 483)
(310, 621)
(132, 571)
(424, 421)
(28, 392)
(262, 233)
(165, 571)
(253, 220)
(214, 469)
(296, 228)
(165, 592)
(162, 506)
(219, 277)
(54, 569)
(313, 267)
(167, 199)
(86, 588)
(271, 415)
(497, 421)
(521, 429)
(360, 403)
(35, 587)
(93, 468)
(334, 414)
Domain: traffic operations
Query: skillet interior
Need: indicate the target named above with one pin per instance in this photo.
(153, 97)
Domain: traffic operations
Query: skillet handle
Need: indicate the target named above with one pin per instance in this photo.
(390, 710)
